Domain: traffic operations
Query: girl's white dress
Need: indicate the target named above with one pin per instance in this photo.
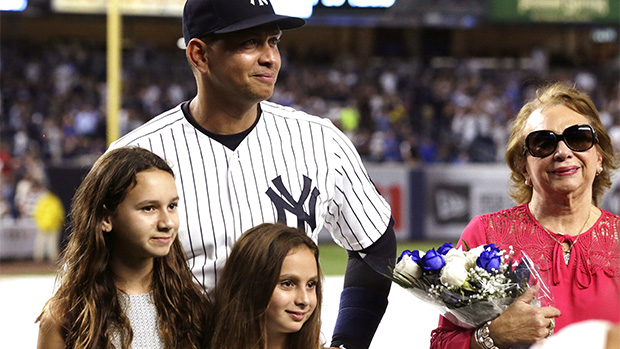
(142, 315)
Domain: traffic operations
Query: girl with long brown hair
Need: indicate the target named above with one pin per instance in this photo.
(269, 295)
(124, 281)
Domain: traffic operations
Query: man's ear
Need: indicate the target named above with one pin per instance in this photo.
(196, 53)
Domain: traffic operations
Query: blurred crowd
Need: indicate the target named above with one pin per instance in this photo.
(443, 110)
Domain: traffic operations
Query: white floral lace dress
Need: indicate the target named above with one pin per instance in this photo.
(142, 315)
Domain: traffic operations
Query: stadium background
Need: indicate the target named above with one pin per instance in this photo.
(425, 89)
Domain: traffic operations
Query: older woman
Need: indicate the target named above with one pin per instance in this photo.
(561, 159)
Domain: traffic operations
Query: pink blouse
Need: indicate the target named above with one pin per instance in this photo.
(585, 289)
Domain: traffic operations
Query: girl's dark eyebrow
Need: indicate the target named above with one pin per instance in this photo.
(150, 202)
(295, 277)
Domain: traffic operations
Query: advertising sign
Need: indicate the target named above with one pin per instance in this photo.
(455, 194)
(13, 5)
(557, 11)
(392, 181)
(170, 8)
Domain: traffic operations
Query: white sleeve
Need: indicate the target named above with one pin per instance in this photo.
(359, 215)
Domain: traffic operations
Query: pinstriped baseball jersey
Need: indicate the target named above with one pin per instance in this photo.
(291, 167)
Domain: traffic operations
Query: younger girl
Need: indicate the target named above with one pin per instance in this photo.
(269, 295)
(124, 280)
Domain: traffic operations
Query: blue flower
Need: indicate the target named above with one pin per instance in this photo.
(491, 247)
(432, 261)
(415, 255)
(489, 259)
(445, 248)
(405, 253)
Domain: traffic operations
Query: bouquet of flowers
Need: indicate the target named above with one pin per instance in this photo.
(469, 287)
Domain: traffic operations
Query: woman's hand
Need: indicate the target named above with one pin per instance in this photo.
(522, 323)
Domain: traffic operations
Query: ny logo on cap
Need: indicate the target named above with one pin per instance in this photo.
(260, 2)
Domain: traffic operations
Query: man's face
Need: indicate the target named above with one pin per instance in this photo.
(244, 65)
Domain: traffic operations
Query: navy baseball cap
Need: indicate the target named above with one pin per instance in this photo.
(202, 17)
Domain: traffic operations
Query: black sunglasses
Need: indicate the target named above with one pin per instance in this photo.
(576, 137)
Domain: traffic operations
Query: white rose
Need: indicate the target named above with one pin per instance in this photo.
(473, 254)
(455, 254)
(454, 273)
(408, 268)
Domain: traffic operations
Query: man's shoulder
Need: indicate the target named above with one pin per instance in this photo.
(281, 111)
(292, 115)
(157, 124)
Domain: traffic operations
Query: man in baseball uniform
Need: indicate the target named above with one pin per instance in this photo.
(240, 161)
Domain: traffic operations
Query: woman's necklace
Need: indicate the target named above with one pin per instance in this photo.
(566, 250)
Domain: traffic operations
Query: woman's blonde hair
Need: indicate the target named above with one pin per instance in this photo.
(559, 93)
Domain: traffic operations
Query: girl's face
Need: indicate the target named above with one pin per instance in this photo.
(294, 298)
(146, 222)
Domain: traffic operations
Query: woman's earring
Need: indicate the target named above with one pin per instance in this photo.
(600, 169)
(527, 182)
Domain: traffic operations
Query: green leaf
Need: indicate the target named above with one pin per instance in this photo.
(466, 245)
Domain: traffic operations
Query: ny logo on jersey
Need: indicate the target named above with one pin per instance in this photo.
(296, 207)
(260, 2)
